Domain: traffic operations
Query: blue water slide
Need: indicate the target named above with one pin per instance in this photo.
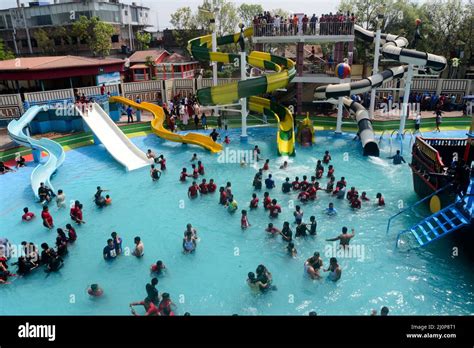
(56, 154)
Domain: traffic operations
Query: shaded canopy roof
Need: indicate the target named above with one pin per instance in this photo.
(140, 56)
(54, 62)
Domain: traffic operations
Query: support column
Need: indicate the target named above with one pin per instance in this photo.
(406, 97)
(340, 107)
(299, 69)
(243, 101)
(375, 70)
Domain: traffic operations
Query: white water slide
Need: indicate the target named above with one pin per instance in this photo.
(114, 140)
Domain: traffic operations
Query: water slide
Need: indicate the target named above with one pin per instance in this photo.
(114, 140)
(56, 154)
(204, 141)
(393, 47)
(284, 71)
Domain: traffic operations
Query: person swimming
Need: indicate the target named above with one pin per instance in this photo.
(244, 221)
(352, 193)
(253, 283)
(397, 158)
(265, 278)
(27, 215)
(330, 184)
(356, 203)
(190, 228)
(344, 238)
(254, 201)
(154, 173)
(267, 201)
(189, 243)
(304, 183)
(272, 230)
(109, 252)
(108, 200)
(194, 158)
(313, 225)
(117, 242)
(158, 268)
(257, 181)
(330, 210)
(298, 214)
(327, 157)
(151, 155)
(286, 186)
(195, 174)
(301, 230)
(334, 270)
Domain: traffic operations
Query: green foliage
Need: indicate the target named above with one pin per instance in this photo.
(96, 33)
(45, 43)
(5, 53)
(144, 40)
(246, 13)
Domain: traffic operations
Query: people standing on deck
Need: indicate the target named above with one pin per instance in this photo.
(438, 112)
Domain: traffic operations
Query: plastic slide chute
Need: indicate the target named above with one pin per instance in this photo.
(393, 47)
(283, 72)
(157, 127)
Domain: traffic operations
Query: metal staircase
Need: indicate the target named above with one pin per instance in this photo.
(447, 220)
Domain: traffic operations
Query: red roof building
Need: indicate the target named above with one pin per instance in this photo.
(160, 64)
(56, 72)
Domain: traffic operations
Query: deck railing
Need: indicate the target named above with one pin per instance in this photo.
(290, 29)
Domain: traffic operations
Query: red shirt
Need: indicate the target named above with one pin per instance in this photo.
(351, 194)
(356, 203)
(296, 185)
(183, 176)
(163, 164)
(244, 222)
(267, 202)
(45, 215)
(326, 158)
(193, 190)
(312, 191)
(274, 210)
(330, 172)
(164, 304)
(73, 212)
(381, 201)
(304, 185)
(195, 173)
(203, 188)
(211, 187)
(72, 234)
(223, 198)
(254, 203)
(201, 169)
(28, 216)
(265, 166)
(227, 140)
(78, 214)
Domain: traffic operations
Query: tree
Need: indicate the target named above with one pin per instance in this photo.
(150, 63)
(246, 13)
(61, 33)
(45, 43)
(95, 33)
(143, 39)
(5, 53)
(366, 11)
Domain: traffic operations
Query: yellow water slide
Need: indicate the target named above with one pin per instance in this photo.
(159, 118)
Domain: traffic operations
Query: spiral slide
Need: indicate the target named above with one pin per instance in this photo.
(56, 154)
(393, 47)
(284, 68)
(157, 126)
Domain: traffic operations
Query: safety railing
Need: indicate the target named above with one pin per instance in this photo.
(293, 29)
(414, 205)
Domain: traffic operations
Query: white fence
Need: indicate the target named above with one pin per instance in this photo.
(10, 106)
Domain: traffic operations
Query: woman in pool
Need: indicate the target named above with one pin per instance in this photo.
(203, 188)
(298, 214)
(334, 270)
(154, 173)
(200, 168)
(313, 265)
(95, 290)
(274, 208)
(327, 157)
(265, 278)
(162, 162)
(253, 283)
(286, 233)
(183, 175)
(139, 250)
(117, 241)
(254, 201)
(244, 221)
(380, 200)
(211, 187)
(193, 190)
(189, 243)
(232, 205)
(27, 215)
(47, 218)
(158, 268)
(61, 199)
(195, 174)
(71, 232)
(223, 196)
(291, 250)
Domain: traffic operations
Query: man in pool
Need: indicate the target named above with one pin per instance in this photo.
(269, 182)
(194, 158)
(254, 201)
(193, 190)
(28, 215)
(151, 154)
(154, 173)
(43, 193)
(327, 157)
(344, 238)
(274, 209)
(190, 228)
(286, 186)
(330, 210)
(397, 158)
(272, 230)
(203, 188)
(211, 187)
(139, 250)
(109, 252)
(334, 270)
(98, 199)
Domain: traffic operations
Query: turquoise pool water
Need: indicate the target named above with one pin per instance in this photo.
(213, 280)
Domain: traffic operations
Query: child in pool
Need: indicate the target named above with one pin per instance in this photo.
(244, 221)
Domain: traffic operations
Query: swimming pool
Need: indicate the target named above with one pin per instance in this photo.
(213, 280)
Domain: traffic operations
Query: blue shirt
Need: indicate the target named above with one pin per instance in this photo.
(269, 183)
(331, 211)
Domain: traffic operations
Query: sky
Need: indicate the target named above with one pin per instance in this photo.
(162, 9)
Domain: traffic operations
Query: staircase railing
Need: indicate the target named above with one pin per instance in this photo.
(414, 205)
